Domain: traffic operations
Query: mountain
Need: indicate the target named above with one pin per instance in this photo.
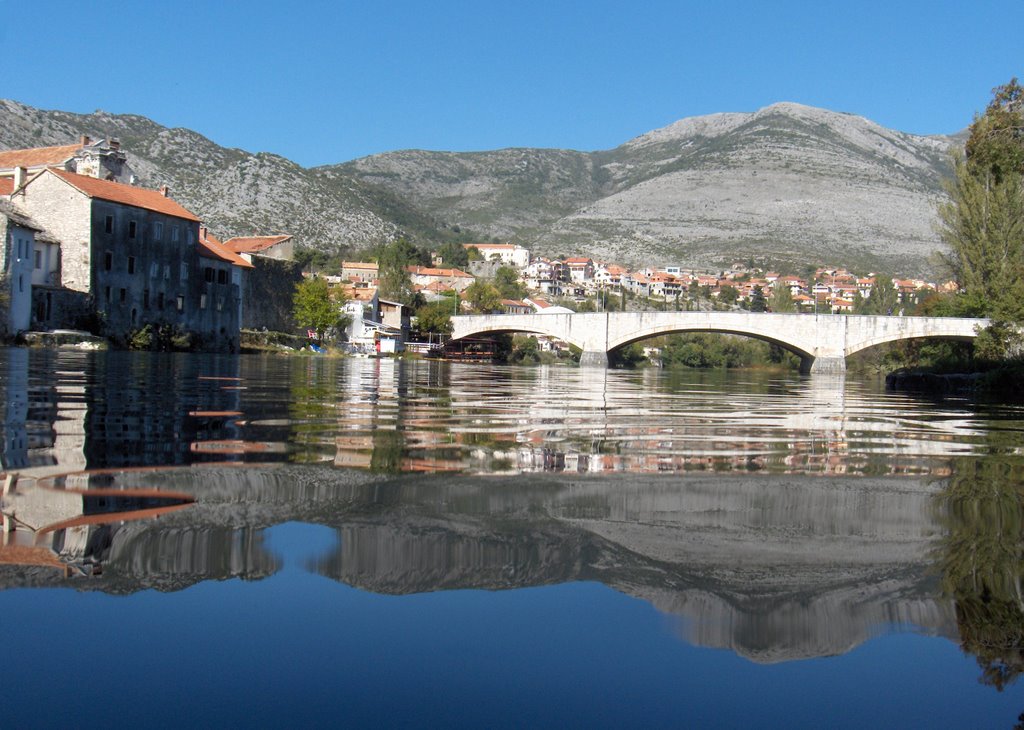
(786, 185)
(236, 193)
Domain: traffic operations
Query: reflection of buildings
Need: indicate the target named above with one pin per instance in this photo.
(71, 409)
(772, 568)
(558, 419)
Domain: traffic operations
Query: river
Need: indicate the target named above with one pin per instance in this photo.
(225, 541)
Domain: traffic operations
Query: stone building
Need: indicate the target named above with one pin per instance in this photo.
(280, 247)
(103, 160)
(17, 256)
(133, 252)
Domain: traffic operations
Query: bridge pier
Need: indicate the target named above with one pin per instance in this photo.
(594, 359)
(823, 366)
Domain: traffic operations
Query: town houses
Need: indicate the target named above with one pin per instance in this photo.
(85, 246)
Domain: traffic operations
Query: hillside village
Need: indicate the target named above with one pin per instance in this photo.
(86, 247)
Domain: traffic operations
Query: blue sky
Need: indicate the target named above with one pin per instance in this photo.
(325, 82)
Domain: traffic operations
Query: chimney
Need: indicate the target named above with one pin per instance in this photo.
(20, 173)
(165, 191)
(84, 140)
(114, 143)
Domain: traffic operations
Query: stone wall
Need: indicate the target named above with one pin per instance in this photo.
(66, 215)
(59, 308)
(267, 294)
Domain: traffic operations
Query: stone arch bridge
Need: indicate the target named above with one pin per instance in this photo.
(823, 341)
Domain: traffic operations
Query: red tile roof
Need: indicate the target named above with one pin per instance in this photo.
(38, 156)
(125, 194)
(426, 271)
(254, 244)
(6, 185)
(211, 248)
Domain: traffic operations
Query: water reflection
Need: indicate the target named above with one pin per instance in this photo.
(778, 517)
(772, 569)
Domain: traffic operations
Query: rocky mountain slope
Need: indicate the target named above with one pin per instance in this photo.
(788, 184)
(235, 192)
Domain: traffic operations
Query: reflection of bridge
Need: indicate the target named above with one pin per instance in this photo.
(822, 341)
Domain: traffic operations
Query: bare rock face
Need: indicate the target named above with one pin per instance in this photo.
(786, 184)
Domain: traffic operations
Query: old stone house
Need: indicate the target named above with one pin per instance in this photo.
(280, 247)
(133, 253)
(102, 159)
(269, 281)
(17, 256)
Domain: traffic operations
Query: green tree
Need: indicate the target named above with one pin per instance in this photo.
(782, 299)
(394, 283)
(454, 255)
(435, 317)
(757, 301)
(483, 297)
(473, 254)
(983, 220)
(314, 307)
(506, 280)
(884, 298)
(728, 294)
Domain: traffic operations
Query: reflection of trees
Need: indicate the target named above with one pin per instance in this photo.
(982, 562)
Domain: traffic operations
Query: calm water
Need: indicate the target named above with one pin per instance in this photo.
(272, 541)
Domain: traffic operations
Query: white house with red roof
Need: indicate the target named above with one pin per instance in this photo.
(454, 279)
(508, 253)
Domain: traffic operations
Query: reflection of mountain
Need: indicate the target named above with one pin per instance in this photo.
(773, 568)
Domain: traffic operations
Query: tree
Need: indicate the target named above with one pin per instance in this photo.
(983, 220)
(483, 297)
(782, 299)
(884, 298)
(727, 294)
(454, 255)
(757, 300)
(506, 281)
(435, 317)
(394, 282)
(314, 308)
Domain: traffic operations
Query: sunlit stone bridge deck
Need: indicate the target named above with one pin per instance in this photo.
(822, 341)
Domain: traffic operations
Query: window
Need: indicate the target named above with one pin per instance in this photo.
(202, 301)
(158, 231)
(154, 270)
(184, 272)
(21, 282)
(220, 303)
(132, 229)
(124, 295)
(191, 237)
(131, 264)
(108, 224)
(208, 273)
(108, 261)
(222, 276)
(145, 298)
(39, 259)
(167, 271)
(106, 293)
(174, 234)
(160, 300)
(181, 303)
